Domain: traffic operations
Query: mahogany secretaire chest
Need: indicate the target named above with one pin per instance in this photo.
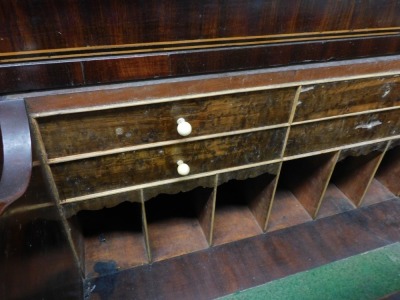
(192, 149)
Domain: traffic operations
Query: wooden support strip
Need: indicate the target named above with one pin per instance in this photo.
(145, 227)
(273, 194)
(40, 149)
(207, 213)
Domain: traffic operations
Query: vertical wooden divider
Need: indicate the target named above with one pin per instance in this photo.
(261, 202)
(273, 186)
(389, 171)
(308, 179)
(207, 213)
(357, 174)
(145, 227)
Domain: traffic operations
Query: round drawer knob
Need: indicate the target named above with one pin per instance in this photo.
(183, 169)
(184, 128)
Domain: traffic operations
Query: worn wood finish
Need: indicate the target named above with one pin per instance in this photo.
(389, 171)
(248, 263)
(177, 187)
(354, 174)
(114, 171)
(103, 130)
(74, 24)
(308, 179)
(377, 193)
(334, 202)
(173, 223)
(109, 201)
(84, 99)
(286, 211)
(113, 239)
(338, 98)
(327, 134)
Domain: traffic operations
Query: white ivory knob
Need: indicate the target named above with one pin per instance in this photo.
(184, 128)
(183, 169)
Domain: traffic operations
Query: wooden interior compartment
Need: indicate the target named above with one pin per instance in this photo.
(242, 206)
(302, 185)
(179, 223)
(351, 178)
(112, 238)
(388, 173)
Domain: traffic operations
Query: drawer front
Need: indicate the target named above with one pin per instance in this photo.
(328, 134)
(72, 134)
(338, 98)
(99, 174)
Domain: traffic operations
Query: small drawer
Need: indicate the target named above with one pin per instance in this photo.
(78, 133)
(344, 97)
(322, 135)
(88, 176)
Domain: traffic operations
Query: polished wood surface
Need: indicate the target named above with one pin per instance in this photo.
(29, 27)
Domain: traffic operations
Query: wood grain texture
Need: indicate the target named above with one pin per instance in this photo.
(47, 25)
(331, 99)
(103, 130)
(114, 171)
(342, 131)
(32, 77)
(137, 67)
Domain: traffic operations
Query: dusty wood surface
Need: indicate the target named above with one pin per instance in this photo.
(338, 98)
(342, 131)
(97, 131)
(114, 171)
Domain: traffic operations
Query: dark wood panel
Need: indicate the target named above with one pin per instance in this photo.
(337, 98)
(343, 131)
(236, 266)
(194, 62)
(115, 171)
(134, 67)
(96, 131)
(199, 62)
(47, 24)
(32, 77)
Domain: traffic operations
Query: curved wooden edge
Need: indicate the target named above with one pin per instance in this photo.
(17, 151)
